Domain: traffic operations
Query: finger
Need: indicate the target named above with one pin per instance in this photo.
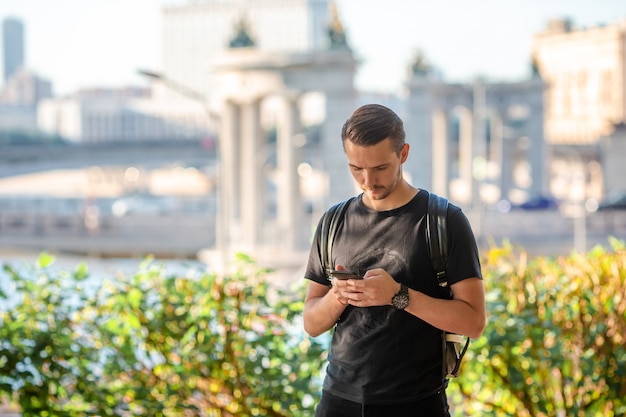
(356, 283)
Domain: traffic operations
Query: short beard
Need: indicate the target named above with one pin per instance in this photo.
(388, 190)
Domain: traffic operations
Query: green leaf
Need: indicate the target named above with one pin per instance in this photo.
(134, 297)
(45, 260)
(81, 272)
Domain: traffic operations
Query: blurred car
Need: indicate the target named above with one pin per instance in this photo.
(538, 203)
(613, 202)
(138, 204)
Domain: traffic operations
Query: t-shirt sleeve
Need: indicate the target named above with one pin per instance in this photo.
(463, 256)
(314, 269)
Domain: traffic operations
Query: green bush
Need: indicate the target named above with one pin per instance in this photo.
(155, 345)
(555, 343)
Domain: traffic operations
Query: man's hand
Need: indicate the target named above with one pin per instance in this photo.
(339, 286)
(377, 288)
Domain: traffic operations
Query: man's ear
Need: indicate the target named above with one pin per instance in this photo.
(404, 153)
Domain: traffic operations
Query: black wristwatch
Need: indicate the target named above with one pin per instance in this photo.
(401, 299)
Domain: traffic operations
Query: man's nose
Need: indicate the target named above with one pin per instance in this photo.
(368, 178)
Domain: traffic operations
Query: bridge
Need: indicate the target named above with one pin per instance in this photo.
(27, 159)
(187, 230)
(191, 226)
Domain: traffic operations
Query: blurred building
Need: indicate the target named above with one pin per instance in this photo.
(613, 152)
(478, 142)
(195, 33)
(22, 89)
(585, 70)
(120, 115)
(13, 46)
(194, 37)
(248, 78)
(18, 120)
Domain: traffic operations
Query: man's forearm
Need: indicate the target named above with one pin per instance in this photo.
(465, 314)
(321, 313)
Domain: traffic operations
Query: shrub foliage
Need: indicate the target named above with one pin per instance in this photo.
(555, 343)
(156, 344)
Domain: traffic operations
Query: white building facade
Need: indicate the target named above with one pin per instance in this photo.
(195, 34)
(585, 104)
(123, 116)
(585, 70)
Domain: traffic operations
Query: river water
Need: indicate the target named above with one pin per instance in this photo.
(100, 269)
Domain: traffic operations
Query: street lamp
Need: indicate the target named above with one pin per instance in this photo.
(221, 217)
(179, 88)
(182, 90)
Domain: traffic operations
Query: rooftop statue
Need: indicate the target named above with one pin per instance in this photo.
(534, 68)
(242, 38)
(336, 33)
(420, 65)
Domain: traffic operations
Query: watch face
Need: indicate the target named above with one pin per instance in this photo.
(400, 302)
(401, 299)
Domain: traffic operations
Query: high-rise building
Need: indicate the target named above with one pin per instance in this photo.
(194, 34)
(13, 46)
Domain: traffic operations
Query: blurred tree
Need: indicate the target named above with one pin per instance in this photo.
(555, 344)
(151, 344)
(205, 345)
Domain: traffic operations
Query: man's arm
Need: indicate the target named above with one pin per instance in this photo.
(465, 314)
(323, 306)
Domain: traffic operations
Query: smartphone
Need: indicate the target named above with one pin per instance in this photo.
(345, 274)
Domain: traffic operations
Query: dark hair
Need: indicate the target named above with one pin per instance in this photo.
(371, 124)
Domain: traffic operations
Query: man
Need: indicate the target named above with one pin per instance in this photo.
(386, 352)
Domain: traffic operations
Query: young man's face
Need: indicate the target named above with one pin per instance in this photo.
(377, 169)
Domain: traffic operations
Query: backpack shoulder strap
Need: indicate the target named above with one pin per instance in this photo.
(454, 346)
(437, 236)
(329, 225)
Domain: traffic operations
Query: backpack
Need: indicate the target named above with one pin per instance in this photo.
(454, 345)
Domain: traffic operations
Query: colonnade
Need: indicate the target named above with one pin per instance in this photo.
(248, 78)
(512, 113)
(243, 155)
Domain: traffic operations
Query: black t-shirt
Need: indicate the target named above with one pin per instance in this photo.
(379, 354)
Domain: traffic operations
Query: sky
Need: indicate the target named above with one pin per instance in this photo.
(96, 43)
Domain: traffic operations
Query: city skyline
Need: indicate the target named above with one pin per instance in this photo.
(461, 39)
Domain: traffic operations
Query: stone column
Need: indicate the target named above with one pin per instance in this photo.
(537, 152)
(496, 150)
(466, 153)
(289, 201)
(421, 133)
(479, 142)
(508, 162)
(229, 168)
(252, 179)
(535, 93)
(440, 163)
(339, 107)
